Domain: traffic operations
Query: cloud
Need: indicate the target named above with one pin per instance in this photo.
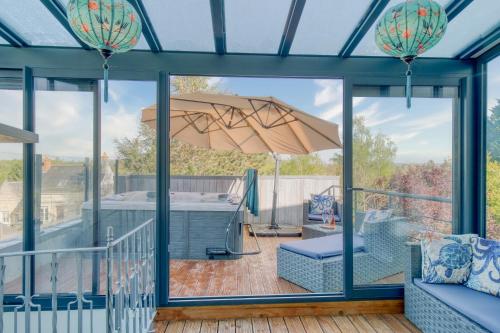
(401, 137)
(375, 121)
(357, 100)
(214, 81)
(332, 112)
(431, 121)
(330, 92)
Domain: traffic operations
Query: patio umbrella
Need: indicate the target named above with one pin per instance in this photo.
(246, 123)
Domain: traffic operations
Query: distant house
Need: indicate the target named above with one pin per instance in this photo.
(65, 186)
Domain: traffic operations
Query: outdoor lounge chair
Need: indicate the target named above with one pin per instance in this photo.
(316, 218)
(317, 264)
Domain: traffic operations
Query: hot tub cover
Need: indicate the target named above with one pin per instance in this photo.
(323, 247)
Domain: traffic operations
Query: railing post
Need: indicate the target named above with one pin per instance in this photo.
(109, 281)
(2, 278)
(27, 293)
(53, 280)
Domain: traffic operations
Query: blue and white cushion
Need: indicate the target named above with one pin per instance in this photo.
(319, 203)
(485, 273)
(374, 216)
(447, 259)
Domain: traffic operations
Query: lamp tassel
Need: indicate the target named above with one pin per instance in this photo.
(408, 87)
(106, 54)
(105, 66)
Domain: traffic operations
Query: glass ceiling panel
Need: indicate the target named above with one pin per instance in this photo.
(34, 23)
(182, 25)
(255, 26)
(3, 41)
(319, 33)
(475, 20)
(142, 44)
(367, 45)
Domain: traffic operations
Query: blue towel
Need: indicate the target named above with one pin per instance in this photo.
(252, 202)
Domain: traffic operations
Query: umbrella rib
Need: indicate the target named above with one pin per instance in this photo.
(260, 136)
(190, 122)
(230, 137)
(291, 129)
(323, 135)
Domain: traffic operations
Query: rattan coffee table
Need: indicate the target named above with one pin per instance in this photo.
(316, 230)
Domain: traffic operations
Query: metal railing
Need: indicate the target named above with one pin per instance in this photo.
(129, 290)
(404, 204)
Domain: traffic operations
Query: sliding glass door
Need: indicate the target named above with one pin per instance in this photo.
(402, 175)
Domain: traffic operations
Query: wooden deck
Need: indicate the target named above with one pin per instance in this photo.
(251, 275)
(373, 323)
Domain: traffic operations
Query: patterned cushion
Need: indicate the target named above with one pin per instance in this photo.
(321, 202)
(485, 273)
(447, 259)
(374, 216)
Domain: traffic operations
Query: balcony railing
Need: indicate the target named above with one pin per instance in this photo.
(425, 212)
(129, 263)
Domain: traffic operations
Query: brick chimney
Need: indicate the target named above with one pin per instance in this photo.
(46, 164)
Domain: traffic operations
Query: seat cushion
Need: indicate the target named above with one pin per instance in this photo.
(317, 217)
(322, 247)
(478, 307)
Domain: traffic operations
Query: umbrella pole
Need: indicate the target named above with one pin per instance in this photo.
(274, 224)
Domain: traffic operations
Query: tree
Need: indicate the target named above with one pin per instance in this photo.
(138, 155)
(303, 165)
(11, 170)
(373, 157)
(493, 132)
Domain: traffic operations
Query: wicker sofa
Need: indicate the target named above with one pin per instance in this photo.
(445, 307)
(380, 257)
(309, 218)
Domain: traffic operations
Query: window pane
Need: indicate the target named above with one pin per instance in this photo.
(182, 25)
(493, 149)
(34, 23)
(63, 176)
(367, 46)
(320, 33)
(3, 41)
(402, 171)
(11, 212)
(11, 101)
(209, 158)
(472, 23)
(255, 26)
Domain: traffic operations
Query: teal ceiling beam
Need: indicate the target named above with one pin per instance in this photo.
(373, 12)
(148, 30)
(10, 36)
(59, 12)
(219, 25)
(481, 45)
(292, 22)
(455, 7)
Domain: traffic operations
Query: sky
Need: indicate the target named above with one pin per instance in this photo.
(64, 118)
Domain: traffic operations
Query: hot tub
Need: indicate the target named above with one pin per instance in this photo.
(198, 221)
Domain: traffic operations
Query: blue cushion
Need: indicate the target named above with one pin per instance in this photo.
(322, 247)
(317, 217)
(485, 273)
(478, 307)
(321, 202)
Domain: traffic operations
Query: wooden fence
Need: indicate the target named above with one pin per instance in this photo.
(293, 191)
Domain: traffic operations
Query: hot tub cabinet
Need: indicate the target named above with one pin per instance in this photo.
(198, 221)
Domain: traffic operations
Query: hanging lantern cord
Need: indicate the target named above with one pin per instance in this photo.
(105, 67)
(408, 86)
(106, 54)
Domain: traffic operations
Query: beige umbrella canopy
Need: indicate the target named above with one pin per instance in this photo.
(249, 124)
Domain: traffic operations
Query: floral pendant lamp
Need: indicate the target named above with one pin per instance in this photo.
(110, 26)
(408, 30)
